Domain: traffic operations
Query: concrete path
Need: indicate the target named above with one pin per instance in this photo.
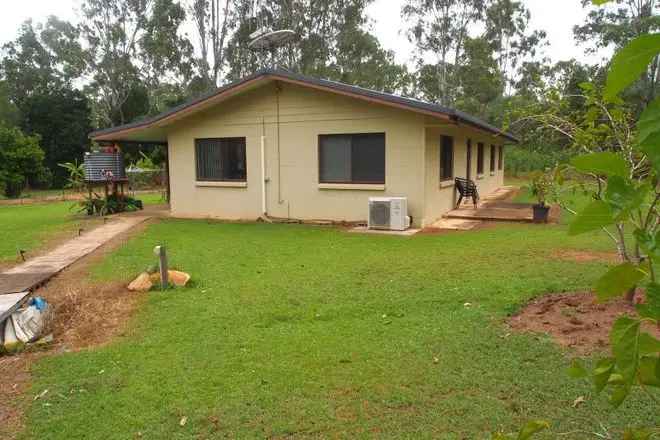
(38, 270)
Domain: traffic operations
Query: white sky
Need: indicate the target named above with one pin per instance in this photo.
(556, 17)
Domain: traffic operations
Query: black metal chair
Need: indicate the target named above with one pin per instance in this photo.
(466, 188)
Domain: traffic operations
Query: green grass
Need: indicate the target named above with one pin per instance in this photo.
(29, 226)
(309, 332)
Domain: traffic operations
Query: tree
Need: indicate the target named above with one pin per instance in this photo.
(21, 160)
(130, 43)
(39, 69)
(62, 119)
(617, 25)
(332, 41)
(42, 58)
(212, 23)
(507, 23)
(440, 28)
(9, 115)
(479, 78)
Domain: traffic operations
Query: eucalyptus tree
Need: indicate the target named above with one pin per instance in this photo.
(131, 48)
(439, 29)
(615, 25)
(213, 28)
(507, 31)
(332, 40)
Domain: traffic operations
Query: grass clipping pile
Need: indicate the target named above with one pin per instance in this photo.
(575, 320)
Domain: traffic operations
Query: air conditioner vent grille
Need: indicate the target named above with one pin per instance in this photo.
(380, 214)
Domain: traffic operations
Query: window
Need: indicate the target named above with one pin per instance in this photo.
(492, 158)
(480, 158)
(446, 158)
(221, 160)
(500, 157)
(352, 158)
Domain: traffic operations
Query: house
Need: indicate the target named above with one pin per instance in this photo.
(289, 146)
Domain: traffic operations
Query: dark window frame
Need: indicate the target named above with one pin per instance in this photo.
(500, 157)
(351, 182)
(480, 158)
(443, 176)
(492, 158)
(207, 179)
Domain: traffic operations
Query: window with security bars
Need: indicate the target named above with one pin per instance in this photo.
(221, 160)
(492, 158)
(446, 158)
(352, 158)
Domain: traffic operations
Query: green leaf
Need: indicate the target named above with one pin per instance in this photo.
(623, 197)
(651, 148)
(648, 366)
(650, 244)
(649, 121)
(603, 163)
(648, 344)
(630, 63)
(532, 428)
(577, 370)
(625, 347)
(618, 280)
(637, 434)
(651, 308)
(619, 395)
(602, 373)
(600, 2)
(596, 215)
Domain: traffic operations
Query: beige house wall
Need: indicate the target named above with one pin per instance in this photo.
(291, 157)
(441, 196)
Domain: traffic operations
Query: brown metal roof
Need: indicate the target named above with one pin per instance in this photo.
(305, 81)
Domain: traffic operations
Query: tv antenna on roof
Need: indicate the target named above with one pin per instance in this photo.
(264, 38)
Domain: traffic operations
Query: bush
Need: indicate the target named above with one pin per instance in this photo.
(521, 160)
(21, 161)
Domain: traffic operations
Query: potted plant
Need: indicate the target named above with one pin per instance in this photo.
(540, 187)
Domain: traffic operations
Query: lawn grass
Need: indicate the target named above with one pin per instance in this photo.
(303, 331)
(28, 227)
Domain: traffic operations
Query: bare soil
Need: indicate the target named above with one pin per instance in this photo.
(86, 314)
(575, 320)
(585, 256)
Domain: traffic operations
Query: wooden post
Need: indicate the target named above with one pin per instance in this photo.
(162, 264)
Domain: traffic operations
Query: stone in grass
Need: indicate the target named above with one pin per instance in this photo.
(141, 284)
(179, 279)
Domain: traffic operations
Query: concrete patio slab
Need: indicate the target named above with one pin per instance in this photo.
(455, 224)
(365, 230)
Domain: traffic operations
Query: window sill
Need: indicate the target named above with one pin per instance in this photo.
(353, 186)
(222, 184)
(446, 183)
(480, 176)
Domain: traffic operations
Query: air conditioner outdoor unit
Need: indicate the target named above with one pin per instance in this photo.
(388, 213)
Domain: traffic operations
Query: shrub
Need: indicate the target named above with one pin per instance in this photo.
(21, 161)
(522, 160)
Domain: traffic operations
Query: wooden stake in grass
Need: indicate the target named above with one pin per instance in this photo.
(162, 264)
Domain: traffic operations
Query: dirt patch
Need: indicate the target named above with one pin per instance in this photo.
(575, 320)
(87, 314)
(585, 256)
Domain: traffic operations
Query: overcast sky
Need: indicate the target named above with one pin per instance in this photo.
(556, 17)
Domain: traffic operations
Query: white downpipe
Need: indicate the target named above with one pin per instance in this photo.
(264, 210)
